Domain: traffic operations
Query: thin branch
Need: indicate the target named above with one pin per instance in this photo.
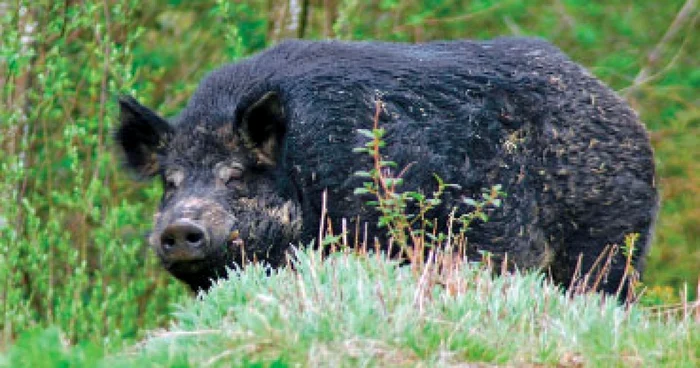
(655, 55)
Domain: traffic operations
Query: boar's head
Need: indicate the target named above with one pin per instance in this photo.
(227, 199)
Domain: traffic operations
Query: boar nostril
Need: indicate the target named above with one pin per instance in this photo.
(183, 235)
(195, 238)
(168, 241)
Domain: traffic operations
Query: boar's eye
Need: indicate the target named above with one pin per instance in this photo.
(173, 179)
(229, 173)
(170, 184)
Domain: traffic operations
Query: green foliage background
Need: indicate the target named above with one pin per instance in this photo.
(72, 224)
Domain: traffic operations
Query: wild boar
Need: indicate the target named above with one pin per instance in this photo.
(245, 163)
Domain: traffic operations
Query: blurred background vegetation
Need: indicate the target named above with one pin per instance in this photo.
(72, 224)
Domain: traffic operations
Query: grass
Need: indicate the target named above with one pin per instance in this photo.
(353, 309)
(366, 310)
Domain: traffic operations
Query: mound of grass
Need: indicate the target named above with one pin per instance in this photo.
(350, 310)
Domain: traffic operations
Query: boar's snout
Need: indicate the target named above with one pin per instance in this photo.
(184, 240)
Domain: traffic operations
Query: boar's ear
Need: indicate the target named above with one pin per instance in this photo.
(141, 135)
(262, 127)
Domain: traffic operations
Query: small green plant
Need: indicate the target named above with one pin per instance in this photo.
(631, 274)
(592, 279)
(414, 231)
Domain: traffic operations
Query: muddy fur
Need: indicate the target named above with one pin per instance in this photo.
(573, 158)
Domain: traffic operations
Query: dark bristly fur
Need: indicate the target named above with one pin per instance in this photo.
(573, 158)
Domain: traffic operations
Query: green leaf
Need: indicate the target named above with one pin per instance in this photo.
(393, 181)
(469, 202)
(360, 191)
(367, 133)
(331, 239)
